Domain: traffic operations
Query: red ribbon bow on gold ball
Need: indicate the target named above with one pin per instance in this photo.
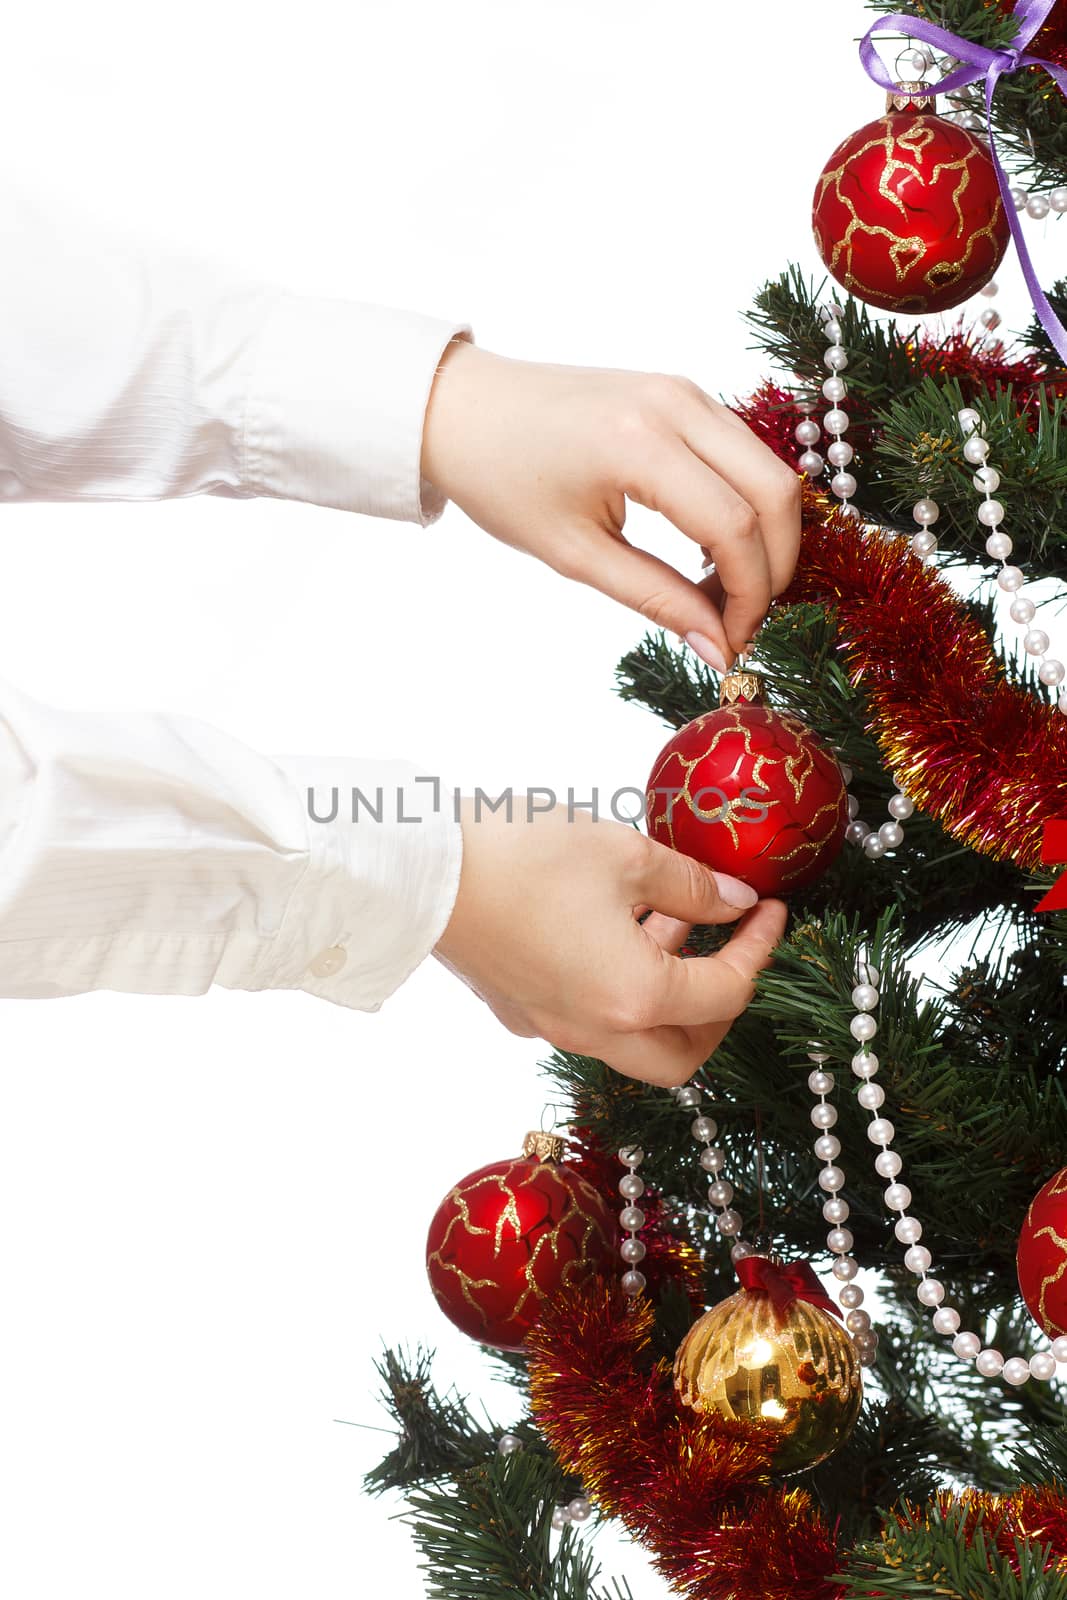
(783, 1284)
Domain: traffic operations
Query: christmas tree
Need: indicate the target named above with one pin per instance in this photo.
(920, 659)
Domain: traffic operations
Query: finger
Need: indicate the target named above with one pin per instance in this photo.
(681, 887)
(712, 587)
(670, 933)
(648, 586)
(670, 477)
(771, 487)
(717, 988)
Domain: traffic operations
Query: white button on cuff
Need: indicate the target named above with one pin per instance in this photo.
(327, 962)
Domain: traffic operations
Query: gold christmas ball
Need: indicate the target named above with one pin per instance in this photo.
(802, 1376)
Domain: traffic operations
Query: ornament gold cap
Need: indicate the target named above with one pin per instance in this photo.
(538, 1146)
(911, 102)
(741, 683)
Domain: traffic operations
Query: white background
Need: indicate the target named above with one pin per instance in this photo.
(213, 1211)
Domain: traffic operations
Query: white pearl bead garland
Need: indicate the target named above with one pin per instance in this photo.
(1010, 578)
(875, 842)
(807, 433)
(930, 1292)
(835, 1209)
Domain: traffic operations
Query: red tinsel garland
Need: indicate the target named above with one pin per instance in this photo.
(694, 1490)
(985, 757)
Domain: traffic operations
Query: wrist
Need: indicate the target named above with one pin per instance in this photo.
(451, 412)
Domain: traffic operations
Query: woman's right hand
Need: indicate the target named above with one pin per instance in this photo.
(545, 929)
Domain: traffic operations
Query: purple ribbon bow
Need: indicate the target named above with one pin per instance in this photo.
(982, 62)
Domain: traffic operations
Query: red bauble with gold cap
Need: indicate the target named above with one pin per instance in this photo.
(1041, 1259)
(751, 791)
(907, 212)
(511, 1235)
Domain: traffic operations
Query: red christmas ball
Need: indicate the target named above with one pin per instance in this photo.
(750, 791)
(510, 1236)
(1041, 1259)
(907, 213)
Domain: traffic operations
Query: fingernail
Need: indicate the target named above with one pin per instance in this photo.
(707, 650)
(734, 892)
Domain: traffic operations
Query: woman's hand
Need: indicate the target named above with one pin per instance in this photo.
(544, 458)
(545, 929)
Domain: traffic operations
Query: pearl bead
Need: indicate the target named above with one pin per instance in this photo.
(1019, 198)
(843, 484)
(632, 1186)
(1016, 1372)
(1043, 1365)
(845, 1267)
(976, 449)
(898, 1198)
(865, 1063)
(827, 1147)
(901, 807)
(1021, 609)
(713, 1159)
(1059, 1348)
(688, 1095)
(924, 544)
(926, 511)
(580, 1509)
(887, 1164)
(632, 1282)
(1010, 579)
(946, 1320)
(824, 1115)
(1051, 671)
(832, 330)
(835, 389)
(1035, 642)
(807, 433)
(987, 478)
(871, 1096)
(989, 288)
(831, 1179)
(857, 831)
(918, 1259)
(930, 1292)
(989, 318)
(853, 808)
(703, 1128)
(835, 1210)
(989, 1362)
(1037, 206)
(560, 1517)
(740, 1250)
(866, 1343)
(836, 421)
(840, 453)
(968, 418)
(868, 1358)
(966, 1345)
(508, 1443)
(881, 1131)
(728, 1222)
(720, 1193)
(631, 1218)
(990, 513)
(865, 997)
(818, 1051)
(820, 1082)
(1057, 199)
(858, 1322)
(909, 1230)
(633, 1250)
(851, 1296)
(810, 462)
(840, 1241)
(836, 358)
(863, 1026)
(999, 546)
(631, 1155)
(846, 772)
(891, 835)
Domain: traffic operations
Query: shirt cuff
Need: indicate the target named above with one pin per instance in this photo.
(336, 406)
(378, 886)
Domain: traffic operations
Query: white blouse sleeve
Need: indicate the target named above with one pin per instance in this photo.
(155, 854)
(126, 374)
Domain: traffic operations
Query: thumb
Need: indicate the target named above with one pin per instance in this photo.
(654, 589)
(681, 887)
